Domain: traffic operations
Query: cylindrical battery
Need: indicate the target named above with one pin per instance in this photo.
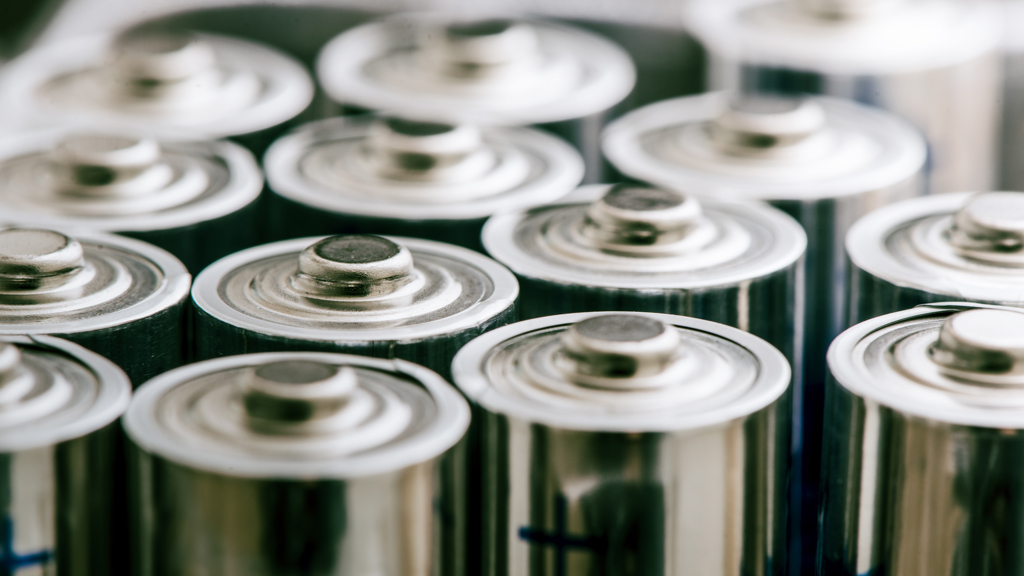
(405, 298)
(59, 455)
(496, 71)
(933, 62)
(389, 175)
(116, 296)
(214, 86)
(935, 249)
(629, 443)
(922, 467)
(195, 199)
(823, 161)
(298, 463)
(631, 247)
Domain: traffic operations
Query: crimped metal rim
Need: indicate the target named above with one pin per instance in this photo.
(206, 298)
(292, 87)
(773, 379)
(850, 372)
(621, 144)
(448, 428)
(339, 70)
(564, 171)
(499, 240)
(174, 289)
(243, 187)
(115, 392)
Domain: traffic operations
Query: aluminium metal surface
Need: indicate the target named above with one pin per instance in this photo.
(298, 462)
(389, 175)
(116, 296)
(60, 485)
(196, 199)
(923, 447)
(387, 297)
(964, 246)
(629, 441)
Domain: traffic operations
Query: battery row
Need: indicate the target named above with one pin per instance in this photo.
(470, 324)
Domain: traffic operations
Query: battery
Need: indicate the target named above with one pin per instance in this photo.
(938, 248)
(390, 175)
(924, 441)
(297, 463)
(386, 297)
(59, 439)
(934, 62)
(488, 71)
(116, 296)
(633, 247)
(214, 86)
(195, 199)
(629, 443)
(823, 161)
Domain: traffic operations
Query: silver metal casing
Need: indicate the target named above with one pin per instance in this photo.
(1012, 119)
(489, 72)
(737, 263)
(212, 86)
(678, 470)
(120, 297)
(923, 443)
(932, 249)
(251, 465)
(825, 162)
(60, 473)
(195, 199)
(327, 178)
(935, 63)
(260, 300)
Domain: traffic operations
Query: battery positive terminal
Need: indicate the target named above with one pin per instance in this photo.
(982, 345)
(990, 228)
(482, 50)
(354, 265)
(109, 166)
(412, 150)
(294, 396)
(633, 215)
(33, 259)
(845, 9)
(761, 125)
(165, 65)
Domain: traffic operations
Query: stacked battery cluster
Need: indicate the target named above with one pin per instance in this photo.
(311, 364)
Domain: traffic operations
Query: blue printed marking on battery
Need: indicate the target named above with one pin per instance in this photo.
(560, 539)
(11, 561)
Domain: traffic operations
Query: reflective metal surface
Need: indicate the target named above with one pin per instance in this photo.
(116, 296)
(214, 85)
(178, 195)
(938, 248)
(921, 466)
(385, 297)
(632, 247)
(60, 483)
(298, 463)
(389, 175)
(935, 63)
(629, 443)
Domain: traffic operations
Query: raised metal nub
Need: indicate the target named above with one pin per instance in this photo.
(845, 9)
(353, 265)
(640, 215)
(15, 381)
(149, 63)
(753, 124)
(990, 227)
(103, 165)
(32, 259)
(404, 149)
(979, 344)
(481, 48)
(618, 351)
(296, 397)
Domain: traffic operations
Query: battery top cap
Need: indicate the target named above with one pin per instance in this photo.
(100, 165)
(400, 149)
(982, 342)
(481, 50)
(639, 218)
(33, 259)
(755, 125)
(619, 351)
(162, 56)
(845, 9)
(354, 265)
(990, 228)
(301, 396)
